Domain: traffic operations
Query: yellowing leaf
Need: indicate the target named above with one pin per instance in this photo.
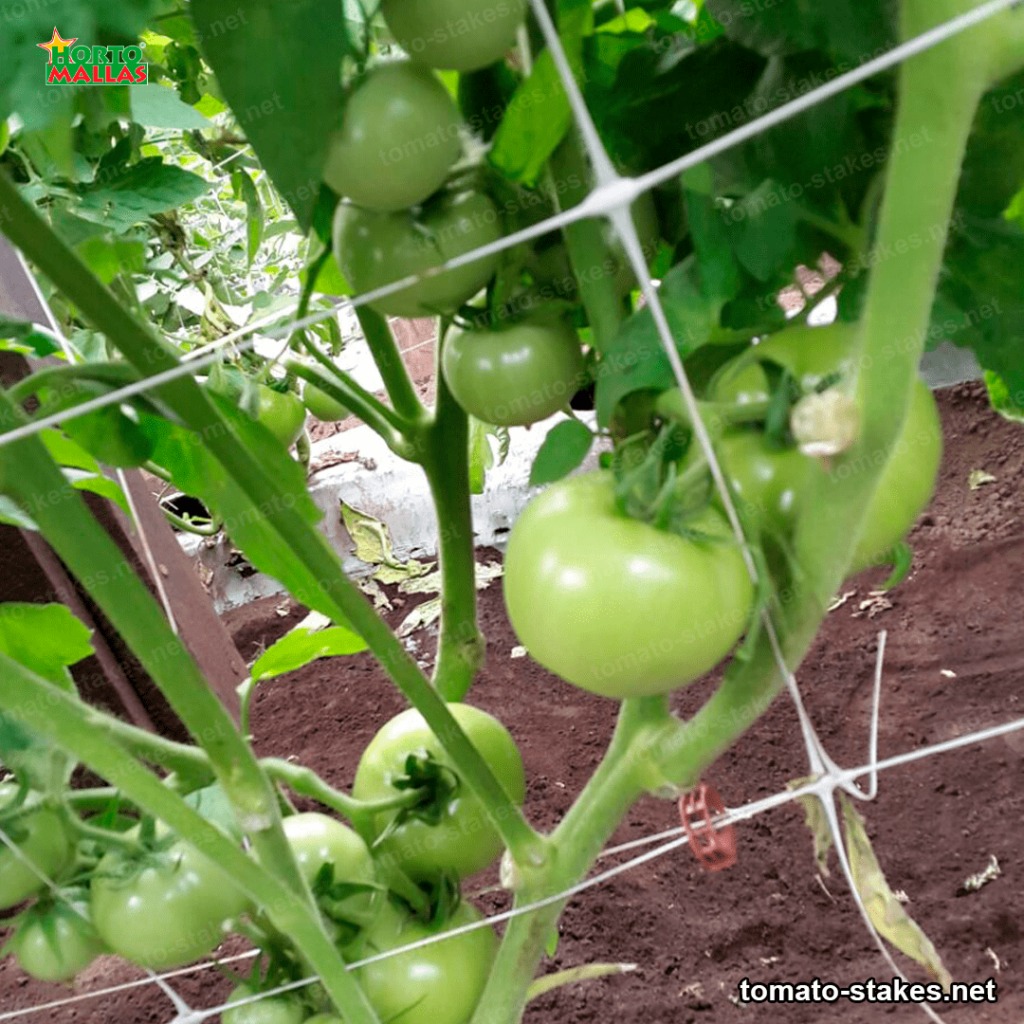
(817, 822)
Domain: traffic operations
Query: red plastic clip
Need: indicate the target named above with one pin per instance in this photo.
(714, 848)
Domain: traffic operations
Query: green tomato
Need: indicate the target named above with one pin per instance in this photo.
(436, 984)
(767, 482)
(282, 414)
(282, 1009)
(325, 1018)
(55, 941)
(615, 606)
(398, 139)
(322, 406)
(375, 249)
(517, 375)
(43, 842)
(455, 34)
(317, 841)
(464, 841)
(166, 910)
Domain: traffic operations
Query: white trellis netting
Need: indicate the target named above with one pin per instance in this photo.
(611, 198)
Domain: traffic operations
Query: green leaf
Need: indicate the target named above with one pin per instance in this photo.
(253, 209)
(212, 803)
(1011, 406)
(257, 54)
(563, 450)
(158, 106)
(538, 114)
(636, 360)
(634, 20)
(12, 515)
(139, 192)
(109, 257)
(96, 483)
(45, 638)
(305, 644)
(720, 275)
(762, 228)
(29, 337)
(112, 436)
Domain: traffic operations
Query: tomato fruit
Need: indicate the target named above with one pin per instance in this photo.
(453, 34)
(516, 375)
(767, 482)
(43, 841)
(464, 841)
(318, 840)
(322, 406)
(165, 910)
(282, 1009)
(54, 941)
(324, 1018)
(375, 249)
(436, 984)
(764, 479)
(614, 605)
(282, 414)
(398, 139)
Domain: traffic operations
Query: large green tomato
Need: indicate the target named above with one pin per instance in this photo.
(458, 35)
(282, 414)
(614, 605)
(464, 841)
(317, 841)
(283, 1009)
(398, 139)
(813, 355)
(55, 941)
(322, 406)
(767, 482)
(517, 375)
(166, 910)
(436, 984)
(43, 842)
(375, 249)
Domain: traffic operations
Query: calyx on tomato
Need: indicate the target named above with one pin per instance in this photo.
(376, 249)
(516, 375)
(55, 940)
(41, 838)
(614, 605)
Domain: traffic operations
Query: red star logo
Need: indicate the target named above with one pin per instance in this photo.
(56, 43)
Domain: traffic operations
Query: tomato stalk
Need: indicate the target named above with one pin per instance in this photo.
(329, 587)
(65, 721)
(461, 647)
(390, 364)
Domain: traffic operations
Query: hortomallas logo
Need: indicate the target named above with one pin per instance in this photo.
(74, 63)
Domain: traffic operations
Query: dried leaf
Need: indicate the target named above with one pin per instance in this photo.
(975, 882)
(373, 546)
(420, 617)
(979, 478)
(817, 822)
(883, 908)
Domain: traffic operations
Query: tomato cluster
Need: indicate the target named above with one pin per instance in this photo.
(160, 902)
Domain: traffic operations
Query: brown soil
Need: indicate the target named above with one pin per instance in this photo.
(694, 936)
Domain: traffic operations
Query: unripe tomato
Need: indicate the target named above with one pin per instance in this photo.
(436, 984)
(464, 840)
(398, 139)
(322, 406)
(614, 605)
(43, 842)
(282, 1009)
(55, 941)
(516, 375)
(455, 34)
(375, 249)
(282, 414)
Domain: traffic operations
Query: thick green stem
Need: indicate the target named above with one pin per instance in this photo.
(460, 644)
(585, 239)
(326, 586)
(68, 723)
(390, 364)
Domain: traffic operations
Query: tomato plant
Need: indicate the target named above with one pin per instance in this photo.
(436, 984)
(515, 375)
(54, 941)
(398, 138)
(43, 843)
(283, 1009)
(164, 909)
(460, 838)
(451, 34)
(614, 605)
(375, 249)
(282, 414)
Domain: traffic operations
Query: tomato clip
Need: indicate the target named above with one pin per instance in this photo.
(714, 848)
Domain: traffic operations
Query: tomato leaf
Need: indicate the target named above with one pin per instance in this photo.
(12, 515)
(1008, 405)
(303, 645)
(212, 803)
(288, 117)
(563, 450)
(538, 114)
(158, 106)
(244, 184)
(903, 559)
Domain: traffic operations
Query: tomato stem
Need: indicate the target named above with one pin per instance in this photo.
(390, 364)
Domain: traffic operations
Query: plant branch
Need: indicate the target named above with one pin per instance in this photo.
(390, 364)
